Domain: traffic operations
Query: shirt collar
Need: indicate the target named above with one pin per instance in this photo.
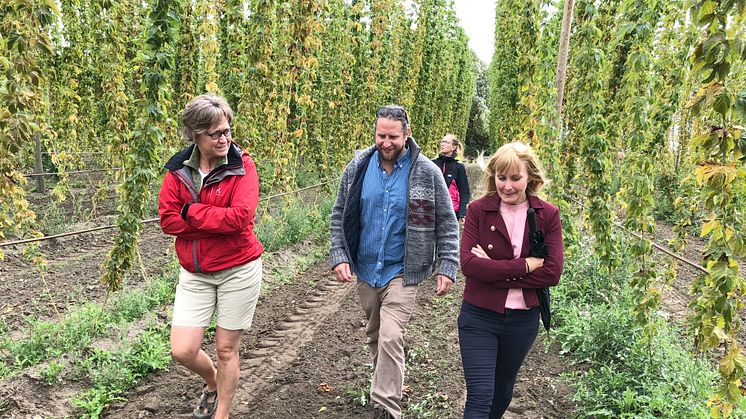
(193, 161)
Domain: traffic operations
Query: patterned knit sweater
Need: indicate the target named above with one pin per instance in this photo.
(431, 231)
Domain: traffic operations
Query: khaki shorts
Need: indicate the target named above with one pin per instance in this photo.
(233, 291)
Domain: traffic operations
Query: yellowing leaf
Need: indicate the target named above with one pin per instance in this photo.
(708, 226)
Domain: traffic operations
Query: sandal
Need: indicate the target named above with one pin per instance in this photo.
(207, 405)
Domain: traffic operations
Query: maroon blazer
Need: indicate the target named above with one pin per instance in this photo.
(488, 280)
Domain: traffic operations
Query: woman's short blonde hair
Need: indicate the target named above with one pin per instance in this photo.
(202, 113)
(509, 158)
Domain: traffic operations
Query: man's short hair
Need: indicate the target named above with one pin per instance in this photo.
(393, 112)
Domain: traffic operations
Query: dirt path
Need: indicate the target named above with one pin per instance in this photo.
(305, 357)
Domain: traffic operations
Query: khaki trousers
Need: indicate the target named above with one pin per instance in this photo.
(387, 310)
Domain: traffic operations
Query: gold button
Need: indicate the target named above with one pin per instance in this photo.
(492, 228)
(490, 246)
(507, 279)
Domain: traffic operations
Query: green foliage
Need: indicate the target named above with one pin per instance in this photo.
(623, 374)
(509, 77)
(640, 19)
(445, 82)
(477, 133)
(113, 372)
(24, 40)
(50, 339)
(303, 78)
(142, 160)
(721, 176)
(667, 189)
(54, 219)
(51, 372)
(94, 401)
(589, 129)
(359, 395)
(297, 222)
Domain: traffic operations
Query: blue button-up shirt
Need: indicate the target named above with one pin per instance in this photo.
(383, 202)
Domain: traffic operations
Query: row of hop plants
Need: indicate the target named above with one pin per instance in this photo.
(655, 106)
(303, 77)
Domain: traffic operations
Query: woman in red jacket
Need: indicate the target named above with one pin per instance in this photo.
(499, 317)
(207, 201)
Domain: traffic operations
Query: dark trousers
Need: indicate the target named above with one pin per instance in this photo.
(493, 347)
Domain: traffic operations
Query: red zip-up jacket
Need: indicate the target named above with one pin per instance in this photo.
(218, 230)
(488, 280)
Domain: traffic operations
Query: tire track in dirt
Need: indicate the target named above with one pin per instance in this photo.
(286, 319)
(274, 354)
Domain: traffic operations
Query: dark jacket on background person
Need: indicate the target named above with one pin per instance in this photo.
(488, 280)
(431, 226)
(212, 219)
(454, 171)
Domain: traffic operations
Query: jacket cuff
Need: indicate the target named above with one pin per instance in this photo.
(184, 211)
(337, 256)
(449, 269)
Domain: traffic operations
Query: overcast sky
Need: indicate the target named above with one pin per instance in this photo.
(478, 20)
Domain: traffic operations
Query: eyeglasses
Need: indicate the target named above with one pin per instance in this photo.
(393, 111)
(219, 134)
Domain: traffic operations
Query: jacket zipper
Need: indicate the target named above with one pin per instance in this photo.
(195, 196)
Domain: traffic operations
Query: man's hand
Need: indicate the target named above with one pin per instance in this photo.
(342, 272)
(444, 285)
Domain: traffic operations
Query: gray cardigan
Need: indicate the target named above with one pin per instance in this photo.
(431, 226)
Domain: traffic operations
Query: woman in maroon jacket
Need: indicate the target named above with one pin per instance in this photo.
(499, 317)
(207, 201)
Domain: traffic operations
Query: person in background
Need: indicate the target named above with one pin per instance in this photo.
(208, 200)
(499, 317)
(390, 223)
(454, 174)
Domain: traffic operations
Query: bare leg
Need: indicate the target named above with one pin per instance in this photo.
(227, 343)
(185, 348)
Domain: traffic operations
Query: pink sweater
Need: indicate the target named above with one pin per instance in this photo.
(515, 222)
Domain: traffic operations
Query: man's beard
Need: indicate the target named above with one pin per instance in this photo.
(392, 155)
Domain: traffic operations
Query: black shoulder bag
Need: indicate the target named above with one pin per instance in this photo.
(539, 250)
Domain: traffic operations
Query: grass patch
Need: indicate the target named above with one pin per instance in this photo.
(112, 372)
(81, 326)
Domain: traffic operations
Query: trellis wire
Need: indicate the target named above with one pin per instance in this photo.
(149, 220)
